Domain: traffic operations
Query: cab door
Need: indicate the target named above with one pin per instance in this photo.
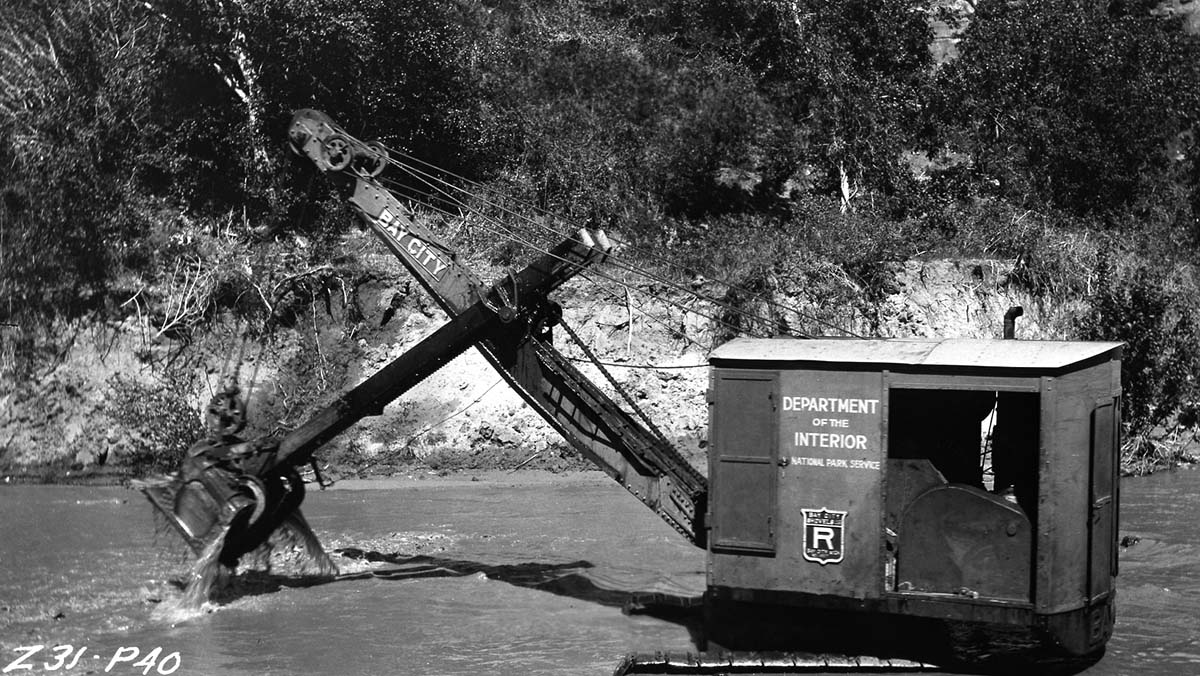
(1102, 560)
(743, 461)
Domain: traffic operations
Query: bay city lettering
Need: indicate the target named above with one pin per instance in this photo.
(420, 251)
(830, 405)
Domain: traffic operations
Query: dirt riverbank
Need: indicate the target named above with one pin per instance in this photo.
(112, 400)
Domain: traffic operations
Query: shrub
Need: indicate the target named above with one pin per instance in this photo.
(158, 422)
(1149, 302)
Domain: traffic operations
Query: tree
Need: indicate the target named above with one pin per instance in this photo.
(100, 121)
(121, 121)
(707, 107)
(1073, 105)
(849, 76)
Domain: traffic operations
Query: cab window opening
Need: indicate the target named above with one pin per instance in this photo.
(981, 438)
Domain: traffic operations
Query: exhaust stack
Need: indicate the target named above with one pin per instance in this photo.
(1010, 321)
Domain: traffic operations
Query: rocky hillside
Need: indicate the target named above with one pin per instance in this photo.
(115, 401)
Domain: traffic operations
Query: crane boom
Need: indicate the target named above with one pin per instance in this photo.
(644, 462)
(242, 491)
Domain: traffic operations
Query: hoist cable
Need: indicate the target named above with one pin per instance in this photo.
(684, 308)
(767, 299)
(672, 330)
(512, 236)
(616, 385)
(504, 231)
(428, 179)
(645, 252)
(422, 176)
(679, 331)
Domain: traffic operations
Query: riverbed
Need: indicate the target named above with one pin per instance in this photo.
(500, 576)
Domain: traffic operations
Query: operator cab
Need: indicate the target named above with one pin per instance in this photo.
(971, 481)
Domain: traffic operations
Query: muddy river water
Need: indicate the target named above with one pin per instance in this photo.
(490, 577)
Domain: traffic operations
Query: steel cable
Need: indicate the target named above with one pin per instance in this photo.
(616, 385)
(586, 274)
(647, 253)
(515, 238)
(613, 261)
(512, 236)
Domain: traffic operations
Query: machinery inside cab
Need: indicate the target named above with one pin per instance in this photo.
(972, 481)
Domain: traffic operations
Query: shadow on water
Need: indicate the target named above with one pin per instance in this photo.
(256, 583)
(963, 649)
(830, 633)
(564, 579)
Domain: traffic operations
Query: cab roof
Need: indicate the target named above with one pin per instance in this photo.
(1023, 355)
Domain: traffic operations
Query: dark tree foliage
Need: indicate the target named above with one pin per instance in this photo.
(1075, 105)
(850, 76)
(388, 70)
(101, 116)
(117, 118)
(699, 108)
(633, 115)
(1146, 307)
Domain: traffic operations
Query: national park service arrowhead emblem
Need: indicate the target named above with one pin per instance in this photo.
(823, 535)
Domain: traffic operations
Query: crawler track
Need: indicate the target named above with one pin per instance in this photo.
(766, 663)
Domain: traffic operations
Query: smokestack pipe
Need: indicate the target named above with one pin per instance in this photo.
(1010, 321)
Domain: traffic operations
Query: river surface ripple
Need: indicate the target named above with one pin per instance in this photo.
(483, 578)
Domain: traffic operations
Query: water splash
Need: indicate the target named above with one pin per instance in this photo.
(293, 549)
(300, 534)
(209, 584)
(206, 575)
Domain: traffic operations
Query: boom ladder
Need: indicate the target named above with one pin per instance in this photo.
(518, 345)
